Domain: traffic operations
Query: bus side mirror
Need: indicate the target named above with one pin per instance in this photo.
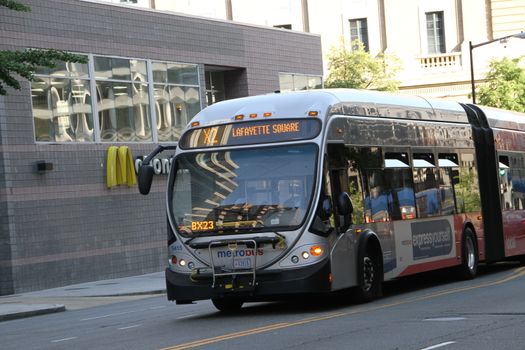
(345, 210)
(145, 178)
(344, 204)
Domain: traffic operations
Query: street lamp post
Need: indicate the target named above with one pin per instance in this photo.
(471, 47)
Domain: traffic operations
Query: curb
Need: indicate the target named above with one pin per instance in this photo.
(125, 294)
(37, 310)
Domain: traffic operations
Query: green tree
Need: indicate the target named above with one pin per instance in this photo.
(25, 62)
(354, 67)
(506, 84)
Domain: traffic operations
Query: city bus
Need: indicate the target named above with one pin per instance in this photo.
(321, 191)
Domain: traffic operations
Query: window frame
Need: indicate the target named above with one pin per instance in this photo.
(360, 26)
(92, 81)
(436, 39)
(309, 78)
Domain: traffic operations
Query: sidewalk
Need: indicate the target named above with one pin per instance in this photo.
(80, 295)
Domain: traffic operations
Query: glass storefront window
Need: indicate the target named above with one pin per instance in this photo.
(300, 82)
(63, 105)
(62, 110)
(175, 73)
(315, 83)
(65, 70)
(112, 68)
(123, 110)
(294, 82)
(183, 74)
(169, 109)
(191, 94)
(175, 102)
(286, 82)
(174, 106)
(139, 71)
(160, 72)
(122, 99)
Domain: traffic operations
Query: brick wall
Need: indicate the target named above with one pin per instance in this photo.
(64, 226)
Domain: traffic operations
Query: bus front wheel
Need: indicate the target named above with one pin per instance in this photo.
(228, 305)
(370, 272)
(469, 255)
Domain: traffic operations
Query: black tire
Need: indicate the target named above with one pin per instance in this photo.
(228, 305)
(469, 255)
(370, 276)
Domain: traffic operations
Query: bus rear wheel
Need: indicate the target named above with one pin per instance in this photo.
(469, 255)
(228, 305)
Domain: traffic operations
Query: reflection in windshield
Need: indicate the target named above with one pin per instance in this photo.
(243, 190)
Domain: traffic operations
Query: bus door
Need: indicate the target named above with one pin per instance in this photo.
(343, 258)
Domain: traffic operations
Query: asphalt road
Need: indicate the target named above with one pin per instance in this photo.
(432, 311)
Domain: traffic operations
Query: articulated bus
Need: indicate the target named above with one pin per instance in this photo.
(331, 190)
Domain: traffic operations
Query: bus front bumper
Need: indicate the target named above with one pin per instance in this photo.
(312, 279)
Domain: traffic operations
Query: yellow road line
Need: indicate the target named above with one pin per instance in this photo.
(519, 272)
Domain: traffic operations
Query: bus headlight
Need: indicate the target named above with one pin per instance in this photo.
(305, 254)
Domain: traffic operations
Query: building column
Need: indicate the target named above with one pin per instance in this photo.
(306, 19)
(229, 10)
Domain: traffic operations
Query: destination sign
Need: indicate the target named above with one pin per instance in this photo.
(202, 225)
(252, 132)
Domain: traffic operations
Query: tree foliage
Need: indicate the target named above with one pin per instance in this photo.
(15, 5)
(25, 62)
(356, 68)
(506, 84)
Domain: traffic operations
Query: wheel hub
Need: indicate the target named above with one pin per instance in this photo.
(368, 273)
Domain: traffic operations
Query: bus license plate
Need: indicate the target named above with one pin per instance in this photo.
(244, 263)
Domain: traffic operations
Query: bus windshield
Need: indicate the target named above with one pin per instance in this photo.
(243, 190)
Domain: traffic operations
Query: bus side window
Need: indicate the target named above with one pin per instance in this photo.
(505, 180)
(356, 195)
(378, 200)
(466, 186)
(360, 162)
(324, 220)
(426, 185)
(519, 200)
(402, 193)
(512, 182)
(448, 173)
(516, 172)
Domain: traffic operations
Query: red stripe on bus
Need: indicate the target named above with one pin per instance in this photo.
(434, 265)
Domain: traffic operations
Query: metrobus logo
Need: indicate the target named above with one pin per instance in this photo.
(239, 253)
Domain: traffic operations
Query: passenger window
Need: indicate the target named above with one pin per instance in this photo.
(505, 180)
(426, 185)
(519, 191)
(323, 222)
(378, 197)
(512, 182)
(362, 162)
(402, 193)
(449, 168)
(466, 186)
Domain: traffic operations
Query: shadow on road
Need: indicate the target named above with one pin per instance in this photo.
(332, 302)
